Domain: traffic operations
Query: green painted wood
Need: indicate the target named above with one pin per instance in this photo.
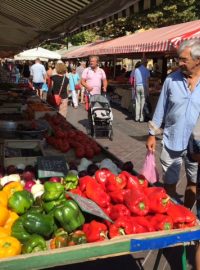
(64, 257)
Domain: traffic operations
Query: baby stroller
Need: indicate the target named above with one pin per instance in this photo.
(101, 116)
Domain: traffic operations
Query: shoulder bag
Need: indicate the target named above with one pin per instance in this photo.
(76, 86)
(56, 98)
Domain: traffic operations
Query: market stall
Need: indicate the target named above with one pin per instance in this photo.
(55, 154)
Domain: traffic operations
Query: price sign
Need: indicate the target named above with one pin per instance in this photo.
(88, 206)
(51, 166)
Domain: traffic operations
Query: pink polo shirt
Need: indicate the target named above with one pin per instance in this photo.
(94, 79)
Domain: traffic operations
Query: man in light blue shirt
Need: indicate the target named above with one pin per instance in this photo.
(38, 75)
(178, 109)
(141, 82)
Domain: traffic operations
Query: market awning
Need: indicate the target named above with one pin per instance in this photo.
(26, 23)
(163, 39)
(38, 52)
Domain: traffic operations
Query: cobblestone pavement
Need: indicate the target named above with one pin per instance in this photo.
(129, 145)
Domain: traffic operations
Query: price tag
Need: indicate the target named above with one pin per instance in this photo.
(51, 166)
(88, 206)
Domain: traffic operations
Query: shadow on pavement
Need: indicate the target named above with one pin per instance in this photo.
(126, 262)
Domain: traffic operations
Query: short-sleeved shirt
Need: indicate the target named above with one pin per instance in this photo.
(73, 80)
(57, 81)
(38, 72)
(94, 79)
(141, 75)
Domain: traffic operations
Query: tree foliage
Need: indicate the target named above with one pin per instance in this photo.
(168, 13)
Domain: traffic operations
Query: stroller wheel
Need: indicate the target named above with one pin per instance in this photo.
(111, 135)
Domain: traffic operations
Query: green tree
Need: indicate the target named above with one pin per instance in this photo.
(168, 13)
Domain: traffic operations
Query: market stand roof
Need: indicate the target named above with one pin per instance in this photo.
(26, 23)
(164, 39)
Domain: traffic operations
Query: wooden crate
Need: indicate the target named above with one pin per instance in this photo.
(19, 144)
(92, 251)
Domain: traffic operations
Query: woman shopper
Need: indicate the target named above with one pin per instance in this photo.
(73, 81)
(59, 87)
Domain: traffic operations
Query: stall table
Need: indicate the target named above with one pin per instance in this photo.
(108, 248)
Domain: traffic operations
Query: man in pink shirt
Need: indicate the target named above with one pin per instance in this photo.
(94, 77)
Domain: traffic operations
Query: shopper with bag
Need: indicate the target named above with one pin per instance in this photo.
(178, 108)
(74, 86)
(57, 94)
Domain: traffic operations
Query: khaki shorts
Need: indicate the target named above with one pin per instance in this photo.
(171, 162)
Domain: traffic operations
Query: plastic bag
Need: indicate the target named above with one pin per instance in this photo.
(149, 169)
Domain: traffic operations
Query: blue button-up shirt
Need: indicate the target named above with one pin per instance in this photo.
(179, 109)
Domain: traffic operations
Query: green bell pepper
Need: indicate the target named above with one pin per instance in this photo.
(20, 201)
(34, 244)
(70, 181)
(69, 216)
(53, 191)
(49, 206)
(37, 223)
(18, 231)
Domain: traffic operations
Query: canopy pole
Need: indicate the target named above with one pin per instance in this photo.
(114, 66)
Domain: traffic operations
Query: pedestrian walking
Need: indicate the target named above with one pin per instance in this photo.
(178, 109)
(141, 80)
(38, 76)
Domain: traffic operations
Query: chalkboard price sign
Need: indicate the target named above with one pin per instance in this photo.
(51, 166)
(88, 206)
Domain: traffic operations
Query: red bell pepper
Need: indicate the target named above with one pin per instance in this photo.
(158, 198)
(117, 196)
(143, 181)
(137, 202)
(95, 192)
(115, 182)
(119, 210)
(95, 231)
(132, 181)
(122, 226)
(161, 222)
(144, 222)
(182, 217)
(75, 191)
(83, 181)
(101, 176)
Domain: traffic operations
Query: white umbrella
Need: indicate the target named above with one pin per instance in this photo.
(38, 52)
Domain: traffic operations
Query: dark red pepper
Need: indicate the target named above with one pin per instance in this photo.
(119, 210)
(83, 181)
(161, 222)
(137, 202)
(95, 192)
(122, 226)
(158, 198)
(144, 222)
(117, 196)
(132, 180)
(182, 217)
(115, 182)
(101, 176)
(95, 231)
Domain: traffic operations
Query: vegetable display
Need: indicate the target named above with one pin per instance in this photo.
(38, 215)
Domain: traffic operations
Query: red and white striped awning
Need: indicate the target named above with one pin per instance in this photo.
(164, 39)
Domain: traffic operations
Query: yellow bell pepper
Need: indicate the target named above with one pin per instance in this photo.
(12, 217)
(12, 187)
(4, 232)
(9, 246)
(4, 215)
(3, 198)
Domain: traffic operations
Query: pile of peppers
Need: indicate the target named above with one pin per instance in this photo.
(54, 220)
